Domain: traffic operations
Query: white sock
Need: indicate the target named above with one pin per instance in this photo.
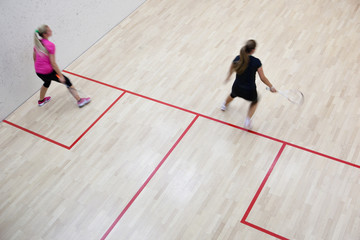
(247, 122)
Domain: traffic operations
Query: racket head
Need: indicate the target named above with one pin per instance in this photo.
(294, 96)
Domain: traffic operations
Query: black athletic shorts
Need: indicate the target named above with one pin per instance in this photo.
(245, 93)
(47, 78)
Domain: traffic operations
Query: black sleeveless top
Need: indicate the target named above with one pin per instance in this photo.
(247, 78)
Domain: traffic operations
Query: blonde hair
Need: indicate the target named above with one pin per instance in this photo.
(241, 65)
(40, 31)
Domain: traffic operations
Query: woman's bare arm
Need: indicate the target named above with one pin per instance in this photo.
(231, 71)
(265, 80)
(56, 68)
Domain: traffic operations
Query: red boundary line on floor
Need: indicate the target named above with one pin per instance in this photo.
(133, 93)
(243, 220)
(216, 120)
(148, 179)
(36, 134)
(284, 143)
(97, 120)
(78, 139)
(197, 115)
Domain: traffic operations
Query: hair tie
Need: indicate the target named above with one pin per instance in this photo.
(37, 31)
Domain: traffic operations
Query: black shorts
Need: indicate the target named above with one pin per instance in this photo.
(47, 78)
(245, 93)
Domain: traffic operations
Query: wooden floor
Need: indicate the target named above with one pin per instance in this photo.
(153, 157)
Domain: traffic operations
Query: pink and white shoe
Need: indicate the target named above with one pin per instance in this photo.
(45, 100)
(83, 101)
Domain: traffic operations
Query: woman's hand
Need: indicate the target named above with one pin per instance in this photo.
(231, 71)
(56, 68)
(265, 80)
(272, 89)
(62, 79)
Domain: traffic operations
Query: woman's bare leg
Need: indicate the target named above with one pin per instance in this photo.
(226, 103)
(228, 100)
(252, 109)
(43, 91)
(74, 93)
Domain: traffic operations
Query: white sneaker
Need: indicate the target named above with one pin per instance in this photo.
(223, 107)
(247, 124)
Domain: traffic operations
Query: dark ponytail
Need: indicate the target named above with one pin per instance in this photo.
(243, 63)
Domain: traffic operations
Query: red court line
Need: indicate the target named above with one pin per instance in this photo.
(93, 80)
(36, 134)
(78, 139)
(281, 141)
(324, 155)
(243, 220)
(136, 94)
(148, 179)
(96, 120)
(220, 121)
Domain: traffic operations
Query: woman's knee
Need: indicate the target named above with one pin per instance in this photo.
(47, 84)
(67, 82)
(256, 101)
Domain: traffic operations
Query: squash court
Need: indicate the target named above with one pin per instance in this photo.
(153, 156)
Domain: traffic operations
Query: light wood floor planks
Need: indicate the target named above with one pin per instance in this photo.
(153, 157)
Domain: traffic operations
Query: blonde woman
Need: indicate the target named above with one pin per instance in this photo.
(246, 66)
(47, 69)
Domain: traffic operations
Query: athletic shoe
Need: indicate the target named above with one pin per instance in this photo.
(247, 124)
(83, 101)
(45, 100)
(223, 107)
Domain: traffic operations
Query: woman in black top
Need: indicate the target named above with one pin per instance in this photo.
(246, 66)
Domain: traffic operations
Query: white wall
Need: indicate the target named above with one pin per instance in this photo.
(76, 25)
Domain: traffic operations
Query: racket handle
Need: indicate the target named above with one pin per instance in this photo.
(267, 88)
(278, 91)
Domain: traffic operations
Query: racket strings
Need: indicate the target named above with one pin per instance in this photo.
(294, 96)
